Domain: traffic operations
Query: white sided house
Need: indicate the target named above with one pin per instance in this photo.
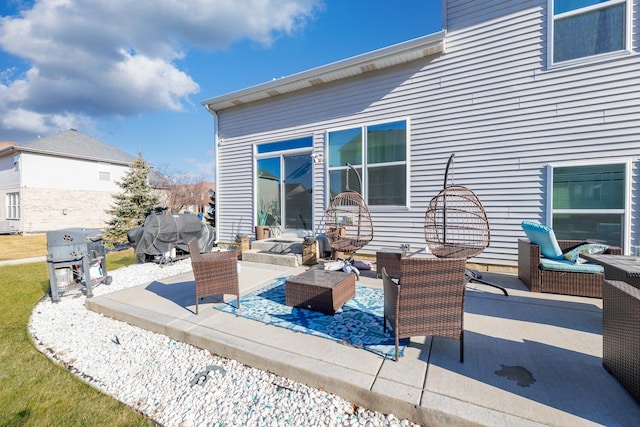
(538, 99)
(63, 180)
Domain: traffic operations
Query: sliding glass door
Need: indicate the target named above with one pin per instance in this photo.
(297, 201)
(284, 189)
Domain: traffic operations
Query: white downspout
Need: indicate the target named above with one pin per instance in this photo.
(216, 165)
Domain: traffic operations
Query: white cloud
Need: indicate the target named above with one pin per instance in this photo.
(88, 59)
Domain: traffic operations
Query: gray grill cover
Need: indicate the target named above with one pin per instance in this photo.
(161, 233)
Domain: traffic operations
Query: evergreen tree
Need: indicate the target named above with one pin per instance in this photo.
(132, 205)
(211, 215)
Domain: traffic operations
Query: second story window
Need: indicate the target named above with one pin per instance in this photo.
(104, 171)
(584, 28)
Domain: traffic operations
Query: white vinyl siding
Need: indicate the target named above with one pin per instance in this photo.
(490, 99)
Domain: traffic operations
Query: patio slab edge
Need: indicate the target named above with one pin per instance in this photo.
(363, 389)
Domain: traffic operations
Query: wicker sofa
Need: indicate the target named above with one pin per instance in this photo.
(558, 282)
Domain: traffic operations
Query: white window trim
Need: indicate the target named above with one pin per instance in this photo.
(365, 165)
(279, 153)
(626, 237)
(11, 208)
(550, 35)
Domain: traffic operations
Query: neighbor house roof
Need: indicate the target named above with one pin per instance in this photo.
(74, 144)
(378, 59)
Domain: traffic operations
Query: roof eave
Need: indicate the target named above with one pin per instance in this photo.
(390, 56)
(71, 156)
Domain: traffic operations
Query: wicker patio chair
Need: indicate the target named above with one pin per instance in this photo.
(558, 282)
(215, 273)
(428, 299)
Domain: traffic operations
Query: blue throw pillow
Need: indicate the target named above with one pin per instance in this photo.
(544, 237)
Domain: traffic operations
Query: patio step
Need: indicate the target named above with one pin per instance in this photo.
(278, 251)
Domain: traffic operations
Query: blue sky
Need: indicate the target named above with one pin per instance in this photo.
(133, 74)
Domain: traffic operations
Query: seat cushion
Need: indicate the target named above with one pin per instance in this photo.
(569, 266)
(544, 237)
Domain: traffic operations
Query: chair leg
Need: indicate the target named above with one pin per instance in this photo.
(462, 347)
(396, 359)
(384, 324)
(196, 305)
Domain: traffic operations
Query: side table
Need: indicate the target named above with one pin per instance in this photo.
(621, 333)
(389, 258)
(618, 267)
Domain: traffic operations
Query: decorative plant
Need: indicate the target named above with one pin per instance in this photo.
(262, 212)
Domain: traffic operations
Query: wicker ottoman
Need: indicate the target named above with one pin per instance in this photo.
(320, 290)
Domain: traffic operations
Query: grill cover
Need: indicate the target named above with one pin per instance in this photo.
(161, 233)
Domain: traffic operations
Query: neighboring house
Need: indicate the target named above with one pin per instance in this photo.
(182, 198)
(539, 101)
(63, 180)
(199, 197)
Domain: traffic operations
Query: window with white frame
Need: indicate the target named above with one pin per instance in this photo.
(378, 152)
(584, 28)
(13, 206)
(16, 162)
(588, 202)
(104, 171)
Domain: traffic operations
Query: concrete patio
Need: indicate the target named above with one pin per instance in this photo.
(530, 359)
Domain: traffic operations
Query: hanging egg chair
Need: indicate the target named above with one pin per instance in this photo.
(347, 221)
(456, 225)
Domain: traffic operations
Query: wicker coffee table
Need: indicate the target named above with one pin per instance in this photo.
(320, 290)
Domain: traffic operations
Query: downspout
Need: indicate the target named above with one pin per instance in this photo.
(216, 165)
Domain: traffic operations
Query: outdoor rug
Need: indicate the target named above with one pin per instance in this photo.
(358, 323)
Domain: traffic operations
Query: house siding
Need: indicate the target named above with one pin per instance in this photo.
(490, 99)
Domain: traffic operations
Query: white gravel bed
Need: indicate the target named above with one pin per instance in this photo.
(173, 383)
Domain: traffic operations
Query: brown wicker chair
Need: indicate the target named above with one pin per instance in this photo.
(558, 282)
(428, 299)
(215, 273)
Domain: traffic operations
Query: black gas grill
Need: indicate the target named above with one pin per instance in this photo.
(76, 259)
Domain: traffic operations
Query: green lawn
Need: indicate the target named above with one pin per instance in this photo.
(33, 390)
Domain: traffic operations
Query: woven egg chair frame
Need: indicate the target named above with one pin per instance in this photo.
(347, 221)
(456, 225)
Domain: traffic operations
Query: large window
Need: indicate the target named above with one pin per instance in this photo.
(589, 202)
(583, 28)
(379, 154)
(13, 206)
